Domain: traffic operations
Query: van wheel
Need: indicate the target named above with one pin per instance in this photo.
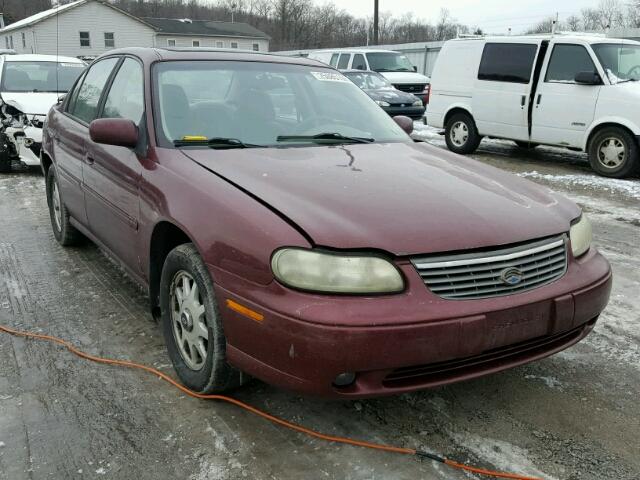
(613, 152)
(526, 145)
(461, 134)
(65, 233)
(192, 325)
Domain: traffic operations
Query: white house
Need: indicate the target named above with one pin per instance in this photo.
(87, 28)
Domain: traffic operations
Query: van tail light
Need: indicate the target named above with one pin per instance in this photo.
(427, 93)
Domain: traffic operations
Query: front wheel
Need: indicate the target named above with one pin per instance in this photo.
(65, 233)
(192, 325)
(461, 134)
(613, 152)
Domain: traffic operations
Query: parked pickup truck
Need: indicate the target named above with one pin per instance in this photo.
(579, 92)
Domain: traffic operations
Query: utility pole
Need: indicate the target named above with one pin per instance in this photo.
(375, 21)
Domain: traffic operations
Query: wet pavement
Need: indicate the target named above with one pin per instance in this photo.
(572, 416)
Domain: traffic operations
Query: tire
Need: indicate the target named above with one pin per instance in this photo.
(199, 362)
(613, 152)
(5, 166)
(461, 134)
(526, 145)
(65, 233)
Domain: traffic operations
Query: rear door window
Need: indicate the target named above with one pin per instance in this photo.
(334, 59)
(86, 104)
(567, 61)
(344, 61)
(507, 62)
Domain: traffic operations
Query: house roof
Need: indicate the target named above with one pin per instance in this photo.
(172, 26)
(52, 12)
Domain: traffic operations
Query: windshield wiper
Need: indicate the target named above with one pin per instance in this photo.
(325, 137)
(216, 142)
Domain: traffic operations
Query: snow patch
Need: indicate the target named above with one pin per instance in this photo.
(503, 455)
(550, 382)
(627, 187)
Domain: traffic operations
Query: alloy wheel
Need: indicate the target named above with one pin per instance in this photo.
(189, 321)
(459, 134)
(611, 152)
(56, 203)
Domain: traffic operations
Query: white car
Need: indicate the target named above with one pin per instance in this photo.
(29, 86)
(394, 66)
(575, 91)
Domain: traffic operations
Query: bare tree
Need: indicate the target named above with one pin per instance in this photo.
(573, 23)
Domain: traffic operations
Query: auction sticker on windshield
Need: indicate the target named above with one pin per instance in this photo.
(330, 77)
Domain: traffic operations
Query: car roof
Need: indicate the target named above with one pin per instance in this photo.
(354, 50)
(40, 58)
(569, 37)
(153, 54)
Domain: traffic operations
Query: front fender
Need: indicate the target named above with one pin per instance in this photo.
(633, 126)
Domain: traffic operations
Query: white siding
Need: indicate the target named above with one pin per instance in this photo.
(211, 42)
(92, 17)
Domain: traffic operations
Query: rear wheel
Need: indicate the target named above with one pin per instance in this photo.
(526, 145)
(461, 134)
(613, 152)
(192, 325)
(65, 233)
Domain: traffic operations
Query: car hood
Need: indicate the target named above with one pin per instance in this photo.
(391, 95)
(403, 198)
(31, 103)
(405, 77)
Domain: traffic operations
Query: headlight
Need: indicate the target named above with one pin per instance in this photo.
(335, 273)
(580, 235)
(417, 103)
(382, 103)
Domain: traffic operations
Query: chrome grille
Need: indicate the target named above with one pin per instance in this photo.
(487, 274)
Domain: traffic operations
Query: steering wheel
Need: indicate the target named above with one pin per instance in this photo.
(634, 72)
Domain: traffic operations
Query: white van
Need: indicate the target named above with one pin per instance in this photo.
(394, 66)
(579, 92)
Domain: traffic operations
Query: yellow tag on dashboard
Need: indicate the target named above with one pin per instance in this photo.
(194, 138)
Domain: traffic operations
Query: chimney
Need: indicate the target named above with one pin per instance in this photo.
(2, 20)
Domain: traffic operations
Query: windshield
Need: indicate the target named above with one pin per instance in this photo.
(620, 61)
(39, 76)
(263, 104)
(368, 81)
(389, 62)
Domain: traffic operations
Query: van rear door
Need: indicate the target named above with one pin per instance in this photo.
(564, 109)
(502, 90)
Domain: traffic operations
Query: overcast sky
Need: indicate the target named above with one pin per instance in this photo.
(494, 16)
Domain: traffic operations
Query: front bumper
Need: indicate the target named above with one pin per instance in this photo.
(406, 342)
(28, 142)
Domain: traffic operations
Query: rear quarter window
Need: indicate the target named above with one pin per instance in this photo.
(507, 62)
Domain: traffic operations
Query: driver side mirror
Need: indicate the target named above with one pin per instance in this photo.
(415, 69)
(588, 78)
(114, 131)
(405, 123)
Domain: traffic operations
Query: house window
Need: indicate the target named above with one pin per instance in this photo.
(234, 44)
(171, 42)
(11, 41)
(85, 39)
(24, 40)
(196, 43)
(219, 44)
(109, 39)
(6, 40)
(256, 47)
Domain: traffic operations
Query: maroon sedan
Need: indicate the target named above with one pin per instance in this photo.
(287, 229)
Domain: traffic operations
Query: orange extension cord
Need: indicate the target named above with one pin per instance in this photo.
(260, 413)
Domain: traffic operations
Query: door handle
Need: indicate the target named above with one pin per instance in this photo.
(523, 100)
(539, 98)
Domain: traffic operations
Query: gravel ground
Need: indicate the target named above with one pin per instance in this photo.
(573, 416)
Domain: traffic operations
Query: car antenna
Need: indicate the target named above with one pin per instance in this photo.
(57, 46)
